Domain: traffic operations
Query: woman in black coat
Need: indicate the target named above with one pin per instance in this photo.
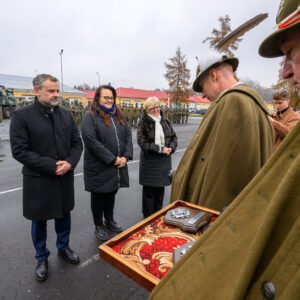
(158, 141)
(108, 147)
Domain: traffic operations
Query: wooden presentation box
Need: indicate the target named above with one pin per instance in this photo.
(144, 252)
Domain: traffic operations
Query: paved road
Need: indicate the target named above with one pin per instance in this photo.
(92, 278)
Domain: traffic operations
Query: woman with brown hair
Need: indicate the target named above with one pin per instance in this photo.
(108, 147)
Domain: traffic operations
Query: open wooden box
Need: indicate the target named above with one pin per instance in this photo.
(144, 252)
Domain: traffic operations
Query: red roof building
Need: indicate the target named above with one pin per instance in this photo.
(132, 96)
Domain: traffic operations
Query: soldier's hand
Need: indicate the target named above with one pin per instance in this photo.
(270, 119)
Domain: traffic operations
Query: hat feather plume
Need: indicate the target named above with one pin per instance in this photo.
(232, 37)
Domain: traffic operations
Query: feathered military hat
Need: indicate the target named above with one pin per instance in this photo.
(288, 17)
(210, 60)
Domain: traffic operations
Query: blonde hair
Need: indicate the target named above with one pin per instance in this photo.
(150, 103)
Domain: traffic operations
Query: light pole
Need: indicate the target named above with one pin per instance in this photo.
(98, 78)
(61, 72)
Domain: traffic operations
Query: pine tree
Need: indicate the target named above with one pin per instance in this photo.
(178, 76)
(220, 34)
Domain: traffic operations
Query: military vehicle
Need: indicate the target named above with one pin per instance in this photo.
(7, 101)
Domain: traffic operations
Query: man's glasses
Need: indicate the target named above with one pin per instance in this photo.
(107, 98)
(154, 108)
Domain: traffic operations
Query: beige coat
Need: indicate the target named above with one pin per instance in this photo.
(283, 124)
(233, 141)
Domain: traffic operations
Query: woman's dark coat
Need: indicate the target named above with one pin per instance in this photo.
(154, 166)
(38, 143)
(102, 146)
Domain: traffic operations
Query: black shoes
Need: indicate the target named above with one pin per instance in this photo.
(113, 226)
(41, 271)
(101, 234)
(100, 230)
(69, 256)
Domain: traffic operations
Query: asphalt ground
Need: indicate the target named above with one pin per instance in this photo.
(92, 278)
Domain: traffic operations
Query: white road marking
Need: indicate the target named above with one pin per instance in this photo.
(89, 261)
(78, 174)
(13, 190)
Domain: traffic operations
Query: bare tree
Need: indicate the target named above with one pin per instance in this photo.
(178, 76)
(265, 92)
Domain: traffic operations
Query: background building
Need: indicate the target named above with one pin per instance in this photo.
(22, 88)
(138, 96)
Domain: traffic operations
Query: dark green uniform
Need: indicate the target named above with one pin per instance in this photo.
(254, 245)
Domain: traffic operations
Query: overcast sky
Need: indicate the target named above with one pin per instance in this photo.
(125, 41)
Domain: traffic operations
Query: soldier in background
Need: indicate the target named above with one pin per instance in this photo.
(81, 110)
(182, 114)
(64, 103)
(135, 116)
(130, 115)
(171, 114)
(187, 113)
(140, 111)
(88, 106)
(125, 111)
(73, 111)
(175, 114)
(179, 114)
(166, 112)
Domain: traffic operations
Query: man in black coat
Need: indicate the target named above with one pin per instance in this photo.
(45, 139)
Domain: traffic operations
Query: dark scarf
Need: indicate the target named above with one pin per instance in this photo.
(111, 111)
(279, 113)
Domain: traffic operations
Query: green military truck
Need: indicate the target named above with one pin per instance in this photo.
(7, 102)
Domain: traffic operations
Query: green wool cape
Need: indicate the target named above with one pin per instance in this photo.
(256, 240)
(233, 141)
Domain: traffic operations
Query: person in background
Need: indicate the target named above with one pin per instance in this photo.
(284, 118)
(158, 141)
(45, 139)
(108, 147)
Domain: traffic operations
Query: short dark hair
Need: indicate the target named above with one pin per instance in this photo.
(281, 95)
(41, 78)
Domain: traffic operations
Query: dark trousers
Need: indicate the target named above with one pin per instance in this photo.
(102, 204)
(153, 198)
(39, 235)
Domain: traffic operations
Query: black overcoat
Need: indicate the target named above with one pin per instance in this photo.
(154, 166)
(102, 146)
(39, 138)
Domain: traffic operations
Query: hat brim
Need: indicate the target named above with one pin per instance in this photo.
(270, 47)
(233, 61)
